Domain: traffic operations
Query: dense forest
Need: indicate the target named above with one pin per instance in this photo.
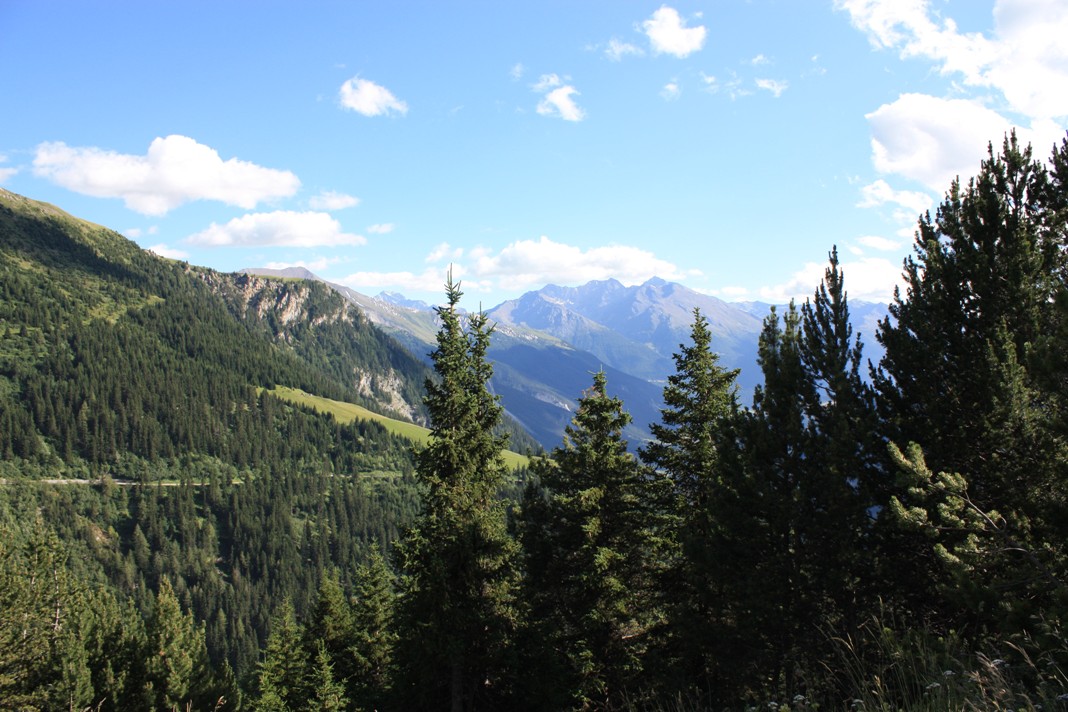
(867, 536)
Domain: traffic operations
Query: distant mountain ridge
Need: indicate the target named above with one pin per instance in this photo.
(548, 342)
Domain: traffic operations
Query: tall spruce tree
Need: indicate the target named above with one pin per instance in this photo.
(283, 679)
(375, 635)
(592, 549)
(457, 612)
(844, 472)
(958, 376)
(769, 597)
(700, 403)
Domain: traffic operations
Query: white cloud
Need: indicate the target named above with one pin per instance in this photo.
(174, 171)
(933, 140)
(370, 99)
(444, 251)
(883, 244)
(671, 91)
(733, 88)
(168, 252)
(332, 200)
(546, 82)
(668, 33)
(869, 279)
(135, 232)
(381, 228)
(280, 228)
(431, 279)
(617, 50)
(775, 86)
(1026, 59)
(516, 72)
(6, 173)
(527, 263)
(558, 102)
(759, 60)
(880, 193)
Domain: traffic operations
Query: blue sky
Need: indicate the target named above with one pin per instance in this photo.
(723, 144)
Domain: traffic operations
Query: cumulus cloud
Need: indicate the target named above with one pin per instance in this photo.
(1026, 59)
(365, 97)
(668, 33)
(528, 263)
(282, 228)
(332, 200)
(381, 228)
(444, 251)
(431, 279)
(671, 91)
(775, 86)
(168, 252)
(558, 102)
(6, 173)
(174, 171)
(517, 70)
(880, 193)
(546, 82)
(618, 49)
(933, 140)
(869, 279)
(135, 232)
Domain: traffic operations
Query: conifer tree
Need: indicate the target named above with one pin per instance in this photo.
(592, 549)
(332, 624)
(283, 670)
(176, 664)
(768, 594)
(328, 694)
(959, 373)
(374, 633)
(700, 403)
(844, 467)
(458, 559)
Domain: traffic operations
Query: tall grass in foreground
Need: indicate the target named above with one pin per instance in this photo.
(892, 667)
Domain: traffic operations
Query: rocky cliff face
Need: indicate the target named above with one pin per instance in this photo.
(294, 309)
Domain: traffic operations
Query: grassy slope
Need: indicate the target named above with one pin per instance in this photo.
(347, 412)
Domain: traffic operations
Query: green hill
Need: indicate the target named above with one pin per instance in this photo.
(118, 366)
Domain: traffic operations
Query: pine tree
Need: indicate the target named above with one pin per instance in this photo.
(457, 613)
(176, 664)
(959, 375)
(700, 403)
(375, 636)
(283, 670)
(328, 694)
(844, 468)
(775, 498)
(332, 624)
(592, 548)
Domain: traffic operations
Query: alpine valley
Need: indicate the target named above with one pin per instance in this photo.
(547, 343)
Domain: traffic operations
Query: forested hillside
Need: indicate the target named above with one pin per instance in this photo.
(147, 377)
(882, 541)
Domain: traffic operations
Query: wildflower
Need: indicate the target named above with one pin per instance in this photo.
(948, 673)
(933, 686)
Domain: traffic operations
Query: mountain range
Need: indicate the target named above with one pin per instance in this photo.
(548, 343)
